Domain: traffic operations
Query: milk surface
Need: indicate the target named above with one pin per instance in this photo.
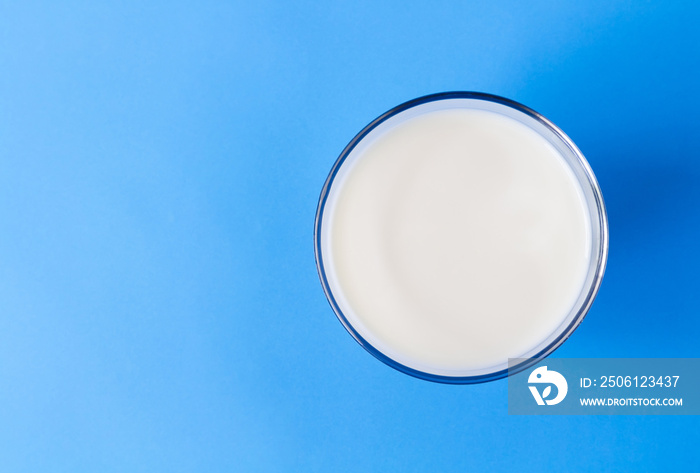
(455, 240)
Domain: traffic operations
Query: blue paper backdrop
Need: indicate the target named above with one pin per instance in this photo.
(160, 165)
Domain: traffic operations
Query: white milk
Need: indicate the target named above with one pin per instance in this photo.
(455, 240)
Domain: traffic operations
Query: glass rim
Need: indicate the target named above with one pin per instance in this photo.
(599, 253)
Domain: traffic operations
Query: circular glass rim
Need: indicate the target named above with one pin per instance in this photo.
(599, 253)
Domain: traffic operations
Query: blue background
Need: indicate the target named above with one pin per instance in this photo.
(160, 165)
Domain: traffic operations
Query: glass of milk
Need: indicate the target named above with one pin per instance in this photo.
(459, 230)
